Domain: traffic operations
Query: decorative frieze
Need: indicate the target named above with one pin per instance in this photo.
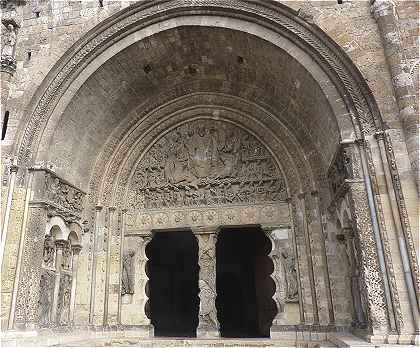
(63, 197)
(201, 216)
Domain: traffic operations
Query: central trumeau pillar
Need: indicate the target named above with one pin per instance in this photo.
(208, 325)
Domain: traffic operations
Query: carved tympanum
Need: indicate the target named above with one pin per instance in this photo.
(206, 163)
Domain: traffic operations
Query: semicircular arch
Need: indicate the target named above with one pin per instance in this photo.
(273, 21)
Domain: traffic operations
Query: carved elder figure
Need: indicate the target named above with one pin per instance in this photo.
(291, 276)
(127, 273)
(9, 43)
(49, 251)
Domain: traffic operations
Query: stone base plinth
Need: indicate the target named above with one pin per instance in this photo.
(207, 333)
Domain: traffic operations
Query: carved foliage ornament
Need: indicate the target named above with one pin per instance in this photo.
(206, 163)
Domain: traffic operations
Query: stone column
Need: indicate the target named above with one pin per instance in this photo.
(402, 232)
(94, 265)
(5, 227)
(359, 315)
(371, 272)
(75, 250)
(308, 240)
(109, 230)
(59, 246)
(26, 310)
(208, 326)
(304, 271)
(385, 15)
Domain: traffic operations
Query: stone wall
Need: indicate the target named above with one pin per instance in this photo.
(49, 28)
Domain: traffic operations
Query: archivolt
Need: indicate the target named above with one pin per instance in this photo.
(285, 148)
(270, 15)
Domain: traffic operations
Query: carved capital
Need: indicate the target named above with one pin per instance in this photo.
(60, 244)
(380, 135)
(380, 8)
(206, 230)
(76, 249)
(8, 65)
(14, 168)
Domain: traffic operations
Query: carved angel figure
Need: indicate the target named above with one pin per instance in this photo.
(9, 43)
(127, 277)
(49, 251)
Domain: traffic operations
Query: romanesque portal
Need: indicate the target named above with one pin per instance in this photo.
(208, 169)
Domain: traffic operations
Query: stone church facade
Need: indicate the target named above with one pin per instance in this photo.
(153, 149)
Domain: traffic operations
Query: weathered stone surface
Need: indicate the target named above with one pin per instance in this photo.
(185, 114)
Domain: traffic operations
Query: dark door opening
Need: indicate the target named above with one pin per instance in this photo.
(244, 288)
(173, 273)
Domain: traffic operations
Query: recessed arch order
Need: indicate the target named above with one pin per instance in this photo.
(347, 93)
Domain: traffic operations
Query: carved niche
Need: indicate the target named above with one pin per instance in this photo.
(206, 163)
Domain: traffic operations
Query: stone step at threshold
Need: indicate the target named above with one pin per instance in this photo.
(52, 341)
(198, 343)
